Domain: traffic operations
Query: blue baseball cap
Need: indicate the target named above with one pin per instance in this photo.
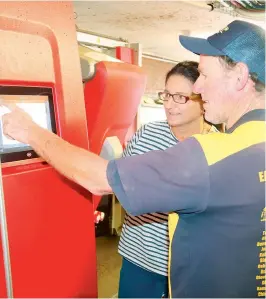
(241, 41)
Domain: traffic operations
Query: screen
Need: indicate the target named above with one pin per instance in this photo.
(37, 102)
(36, 106)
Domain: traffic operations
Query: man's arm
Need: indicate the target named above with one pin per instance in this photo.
(176, 179)
(77, 164)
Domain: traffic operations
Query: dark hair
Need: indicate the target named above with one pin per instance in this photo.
(187, 69)
(229, 64)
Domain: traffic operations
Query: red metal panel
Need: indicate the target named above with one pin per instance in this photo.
(3, 293)
(112, 98)
(50, 236)
(125, 54)
(50, 220)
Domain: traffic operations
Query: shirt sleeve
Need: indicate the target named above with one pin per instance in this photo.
(176, 179)
(133, 142)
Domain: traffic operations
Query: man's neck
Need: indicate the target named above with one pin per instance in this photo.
(242, 109)
(187, 130)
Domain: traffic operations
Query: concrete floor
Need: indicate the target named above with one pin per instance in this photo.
(108, 266)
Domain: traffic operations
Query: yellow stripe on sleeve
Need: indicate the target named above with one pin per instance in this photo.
(218, 146)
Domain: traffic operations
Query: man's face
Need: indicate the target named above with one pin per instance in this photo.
(214, 86)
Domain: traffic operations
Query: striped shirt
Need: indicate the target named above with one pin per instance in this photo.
(144, 239)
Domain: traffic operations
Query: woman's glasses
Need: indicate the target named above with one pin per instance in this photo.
(177, 97)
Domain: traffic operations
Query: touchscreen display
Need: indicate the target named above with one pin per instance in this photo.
(38, 103)
(38, 109)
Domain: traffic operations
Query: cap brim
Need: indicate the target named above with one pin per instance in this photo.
(199, 46)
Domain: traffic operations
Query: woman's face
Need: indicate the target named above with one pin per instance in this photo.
(180, 114)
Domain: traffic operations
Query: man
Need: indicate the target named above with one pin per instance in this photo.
(218, 249)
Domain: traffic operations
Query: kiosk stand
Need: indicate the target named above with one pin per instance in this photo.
(5, 241)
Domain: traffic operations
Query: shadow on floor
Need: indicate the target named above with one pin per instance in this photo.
(108, 266)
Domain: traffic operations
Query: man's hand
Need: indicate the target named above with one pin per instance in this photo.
(17, 124)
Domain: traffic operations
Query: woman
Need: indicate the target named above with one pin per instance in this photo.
(144, 242)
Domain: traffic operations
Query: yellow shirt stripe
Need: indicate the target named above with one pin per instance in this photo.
(218, 146)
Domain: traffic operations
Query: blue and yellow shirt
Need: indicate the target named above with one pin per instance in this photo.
(216, 184)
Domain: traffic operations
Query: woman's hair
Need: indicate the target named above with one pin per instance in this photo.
(187, 69)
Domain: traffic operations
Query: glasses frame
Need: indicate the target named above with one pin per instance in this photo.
(186, 98)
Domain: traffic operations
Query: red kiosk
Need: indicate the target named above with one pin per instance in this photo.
(50, 227)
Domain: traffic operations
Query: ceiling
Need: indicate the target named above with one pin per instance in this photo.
(154, 24)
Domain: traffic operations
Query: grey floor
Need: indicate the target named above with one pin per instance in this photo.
(108, 266)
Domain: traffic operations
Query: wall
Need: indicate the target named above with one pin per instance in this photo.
(156, 71)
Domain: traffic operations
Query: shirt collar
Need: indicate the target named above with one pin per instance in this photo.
(254, 115)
